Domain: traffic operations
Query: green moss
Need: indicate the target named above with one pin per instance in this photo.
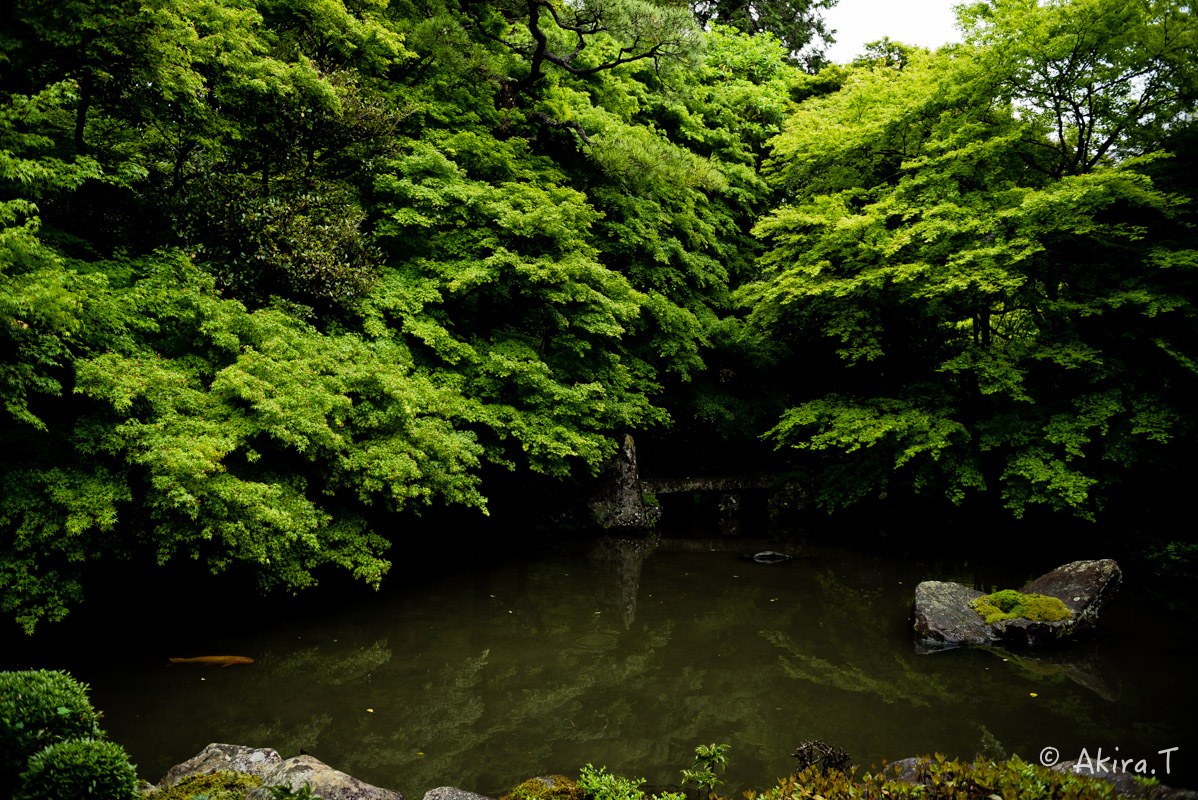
(219, 785)
(1010, 604)
(545, 787)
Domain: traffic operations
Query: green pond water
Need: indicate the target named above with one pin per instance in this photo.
(481, 675)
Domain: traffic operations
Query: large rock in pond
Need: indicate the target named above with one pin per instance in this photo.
(326, 782)
(943, 618)
(231, 757)
(617, 502)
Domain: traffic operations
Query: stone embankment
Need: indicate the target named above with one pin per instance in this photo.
(331, 784)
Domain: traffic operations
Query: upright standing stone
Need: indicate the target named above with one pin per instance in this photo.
(617, 501)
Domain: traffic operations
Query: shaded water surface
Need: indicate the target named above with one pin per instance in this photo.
(629, 658)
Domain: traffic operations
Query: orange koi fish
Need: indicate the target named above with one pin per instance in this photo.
(223, 661)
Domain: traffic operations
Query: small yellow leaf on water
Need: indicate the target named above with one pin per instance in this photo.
(1033, 694)
(370, 711)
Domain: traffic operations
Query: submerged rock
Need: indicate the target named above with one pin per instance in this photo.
(770, 557)
(229, 757)
(944, 619)
(326, 782)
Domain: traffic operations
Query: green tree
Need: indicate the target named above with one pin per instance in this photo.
(1003, 297)
(796, 23)
(273, 269)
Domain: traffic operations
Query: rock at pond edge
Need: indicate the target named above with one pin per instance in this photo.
(326, 782)
(230, 757)
(452, 793)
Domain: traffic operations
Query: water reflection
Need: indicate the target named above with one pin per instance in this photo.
(616, 568)
(1083, 663)
(629, 656)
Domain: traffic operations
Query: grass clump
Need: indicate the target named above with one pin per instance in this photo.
(1010, 604)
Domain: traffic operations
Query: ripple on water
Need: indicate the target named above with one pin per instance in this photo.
(595, 641)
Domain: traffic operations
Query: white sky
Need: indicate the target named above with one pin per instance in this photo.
(928, 23)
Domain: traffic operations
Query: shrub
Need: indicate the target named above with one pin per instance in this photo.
(702, 771)
(39, 708)
(601, 785)
(76, 769)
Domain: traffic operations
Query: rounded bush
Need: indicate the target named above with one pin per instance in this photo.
(40, 708)
(80, 768)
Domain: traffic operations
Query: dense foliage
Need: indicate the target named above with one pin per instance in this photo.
(274, 270)
(980, 241)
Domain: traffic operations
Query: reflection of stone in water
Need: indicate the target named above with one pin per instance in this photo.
(616, 566)
(1084, 664)
(595, 641)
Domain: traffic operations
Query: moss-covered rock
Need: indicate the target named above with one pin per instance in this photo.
(219, 757)
(219, 785)
(1055, 606)
(545, 787)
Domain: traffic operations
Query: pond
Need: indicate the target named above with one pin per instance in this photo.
(627, 655)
